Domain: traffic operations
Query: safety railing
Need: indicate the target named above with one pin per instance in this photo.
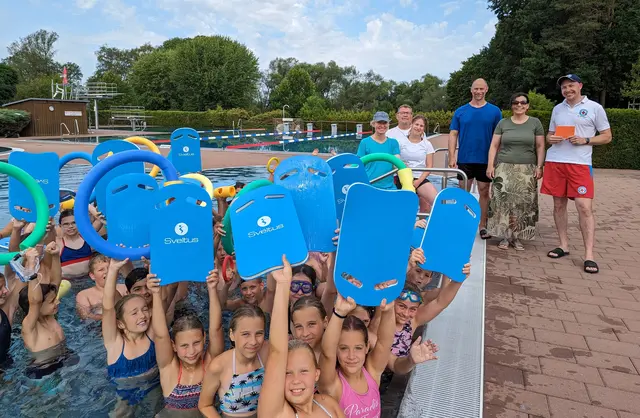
(63, 125)
(77, 131)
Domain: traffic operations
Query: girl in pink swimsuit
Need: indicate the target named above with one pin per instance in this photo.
(356, 380)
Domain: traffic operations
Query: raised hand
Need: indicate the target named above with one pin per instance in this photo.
(153, 283)
(19, 224)
(335, 239)
(52, 248)
(417, 257)
(420, 223)
(466, 270)
(423, 351)
(284, 275)
(117, 264)
(384, 306)
(212, 280)
(344, 306)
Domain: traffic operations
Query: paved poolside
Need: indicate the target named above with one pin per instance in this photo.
(560, 342)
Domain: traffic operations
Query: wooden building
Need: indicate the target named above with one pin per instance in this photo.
(53, 117)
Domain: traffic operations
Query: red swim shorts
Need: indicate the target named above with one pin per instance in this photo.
(568, 180)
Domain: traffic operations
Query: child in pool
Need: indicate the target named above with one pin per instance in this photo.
(236, 375)
(356, 380)
(131, 355)
(136, 283)
(309, 322)
(292, 370)
(89, 301)
(182, 361)
(251, 293)
(371, 321)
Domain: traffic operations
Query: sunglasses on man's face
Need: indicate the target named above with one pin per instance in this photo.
(298, 285)
(519, 102)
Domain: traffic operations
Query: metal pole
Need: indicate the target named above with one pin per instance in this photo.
(95, 111)
(462, 185)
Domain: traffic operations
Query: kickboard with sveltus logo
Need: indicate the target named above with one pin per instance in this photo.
(266, 226)
(181, 234)
(130, 199)
(371, 254)
(185, 151)
(346, 169)
(310, 184)
(43, 167)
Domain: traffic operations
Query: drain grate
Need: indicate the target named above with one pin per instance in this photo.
(452, 386)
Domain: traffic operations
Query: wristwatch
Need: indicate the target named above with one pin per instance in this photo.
(588, 140)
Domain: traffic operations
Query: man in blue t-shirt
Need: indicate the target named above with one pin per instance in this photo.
(378, 142)
(472, 128)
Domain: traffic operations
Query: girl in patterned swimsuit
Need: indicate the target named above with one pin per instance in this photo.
(292, 370)
(237, 374)
(182, 362)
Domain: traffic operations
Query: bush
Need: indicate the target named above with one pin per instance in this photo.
(13, 121)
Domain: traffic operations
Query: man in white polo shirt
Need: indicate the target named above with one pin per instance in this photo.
(568, 173)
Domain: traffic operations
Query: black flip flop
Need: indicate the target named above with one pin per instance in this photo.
(591, 264)
(559, 253)
(484, 234)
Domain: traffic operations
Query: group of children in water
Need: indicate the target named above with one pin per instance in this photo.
(326, 356)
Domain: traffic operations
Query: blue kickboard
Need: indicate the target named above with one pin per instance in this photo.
(310, 183)
(266, 226)
(346, 169)
(181, 234)
(451, 231)
(416, 241)
(4, 243)
(130, 199)
(185, 151)
(115, 146)
(43, 167)
(371, 251)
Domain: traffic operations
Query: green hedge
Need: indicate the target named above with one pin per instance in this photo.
(12, 122)
(623, 152)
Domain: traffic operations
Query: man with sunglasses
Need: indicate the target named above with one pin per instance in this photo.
(471, 130)
(568, 170)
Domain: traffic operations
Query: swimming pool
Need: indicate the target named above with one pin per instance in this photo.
(83, 390)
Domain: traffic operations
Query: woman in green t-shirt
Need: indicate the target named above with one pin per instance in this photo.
(516, 157)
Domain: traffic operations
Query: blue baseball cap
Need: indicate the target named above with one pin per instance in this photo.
(571, 77)
(381, 117)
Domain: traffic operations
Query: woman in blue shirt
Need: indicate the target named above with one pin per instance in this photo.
(380, 143)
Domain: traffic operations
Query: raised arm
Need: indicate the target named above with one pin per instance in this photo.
(16, 235)
(109, 323)
(161, 339)
(419, 353)
(272, 401)
(271, 293)
(53, 252)
(216, 336)
(378, 358)
(329, 382)
(330, 291)
(210, 386)
(34, 292)
(432, 309)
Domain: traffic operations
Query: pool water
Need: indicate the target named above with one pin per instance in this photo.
(83, 390)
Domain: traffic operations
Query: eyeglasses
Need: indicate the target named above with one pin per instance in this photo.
(519, 102)
(298, 285)
(411, 295)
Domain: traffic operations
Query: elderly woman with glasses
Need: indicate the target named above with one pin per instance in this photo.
(516, 159)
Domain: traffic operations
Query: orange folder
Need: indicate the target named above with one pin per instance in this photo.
(565, 131)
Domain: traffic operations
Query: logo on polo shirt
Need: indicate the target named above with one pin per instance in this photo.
(583, 113)
(582, 190)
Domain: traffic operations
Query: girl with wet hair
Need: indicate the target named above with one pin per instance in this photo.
(309, 322)
(292, 371)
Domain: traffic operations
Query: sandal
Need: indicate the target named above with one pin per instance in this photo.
(484, 234)
(504, 244)
(591, 267)
(517, 245)
(557, 253)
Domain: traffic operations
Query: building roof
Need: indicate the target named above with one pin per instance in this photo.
(45, 100)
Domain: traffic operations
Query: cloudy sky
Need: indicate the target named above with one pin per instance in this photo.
(400, 39)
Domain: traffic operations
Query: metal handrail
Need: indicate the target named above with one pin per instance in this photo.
(65, 127)
(431, 169)
(75, 121)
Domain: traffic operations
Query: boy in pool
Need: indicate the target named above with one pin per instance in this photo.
(136, 283)
(42, 334)
(89, 301)
(252, 292)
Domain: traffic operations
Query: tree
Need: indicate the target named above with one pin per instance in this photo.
(539, 101)
(631, 87)
(8, 82)
(293, 90)
(33, 55)
(119, 61)
(74, 73)
(36, 87)
(150, 80)
(314, 108)
(211, 71)
(537, 41)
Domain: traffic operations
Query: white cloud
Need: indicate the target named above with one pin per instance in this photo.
(450, 7)
(406, 3)
(85, 4)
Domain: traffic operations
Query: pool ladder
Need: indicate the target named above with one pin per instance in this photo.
(64, 125)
